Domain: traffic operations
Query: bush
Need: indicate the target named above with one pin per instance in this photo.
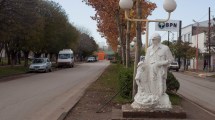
(172, 83)
(126, 79)
(126, 82)
(118, 58)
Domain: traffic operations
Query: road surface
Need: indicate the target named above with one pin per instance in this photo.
(198, 90)
(45, 96)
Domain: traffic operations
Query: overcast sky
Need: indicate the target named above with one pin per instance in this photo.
(187, 10)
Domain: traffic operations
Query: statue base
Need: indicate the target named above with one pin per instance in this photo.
(128, 112)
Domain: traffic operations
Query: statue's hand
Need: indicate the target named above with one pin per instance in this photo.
(161, 63)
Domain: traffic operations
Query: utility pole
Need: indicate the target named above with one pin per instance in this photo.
(197, 49)
(168, 39)
(179, 41)
(209, 38)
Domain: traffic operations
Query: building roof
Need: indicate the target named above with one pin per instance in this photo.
(201, 24)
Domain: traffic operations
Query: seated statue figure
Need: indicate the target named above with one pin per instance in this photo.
(151, 77)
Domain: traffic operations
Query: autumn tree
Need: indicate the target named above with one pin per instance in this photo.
(111, 23)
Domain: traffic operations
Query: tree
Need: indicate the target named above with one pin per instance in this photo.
(34, 25)
(111, 23)
(86, 46)
(17, 20)
(58, 32)
(178, 50)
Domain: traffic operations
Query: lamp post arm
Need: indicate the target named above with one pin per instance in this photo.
(144, 20)
(165, 20)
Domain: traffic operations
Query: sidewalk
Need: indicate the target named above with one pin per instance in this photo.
(201, 74)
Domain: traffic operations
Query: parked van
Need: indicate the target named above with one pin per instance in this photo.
(65, 58)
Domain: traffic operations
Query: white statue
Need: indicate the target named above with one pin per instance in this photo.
(151, 77)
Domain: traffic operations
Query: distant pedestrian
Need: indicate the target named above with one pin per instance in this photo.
(205, 64)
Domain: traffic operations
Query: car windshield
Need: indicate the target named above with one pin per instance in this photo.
(91, 58)
(174, 63)
(64, 56)
(35, 61)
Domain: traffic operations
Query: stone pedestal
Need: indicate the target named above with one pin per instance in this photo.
(128, 112)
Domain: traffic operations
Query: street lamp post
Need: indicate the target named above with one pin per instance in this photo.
(197, 46)
(168, 5)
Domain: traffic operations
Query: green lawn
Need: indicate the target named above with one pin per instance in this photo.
(9, 70)
(109, 83)
(175, 99)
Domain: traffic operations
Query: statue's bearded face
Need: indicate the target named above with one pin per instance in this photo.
(156, 41)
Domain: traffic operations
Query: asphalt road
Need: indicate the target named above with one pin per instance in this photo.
(45, 96)
(199, 90)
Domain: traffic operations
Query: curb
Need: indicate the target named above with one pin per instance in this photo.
(15, 76)
(197, 105)
(198, 75)
(66, 113)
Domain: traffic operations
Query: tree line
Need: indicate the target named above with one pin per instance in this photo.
(38, 26)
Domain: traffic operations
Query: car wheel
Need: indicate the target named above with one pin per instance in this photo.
(50, 70)
(70, 66)
(46, 70)
(177, 70)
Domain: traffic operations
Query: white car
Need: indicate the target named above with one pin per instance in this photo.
(174, 66)
(40, 65)
(91, 59)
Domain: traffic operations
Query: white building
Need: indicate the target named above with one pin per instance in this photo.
(190, 34)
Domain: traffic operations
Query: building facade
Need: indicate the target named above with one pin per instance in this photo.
(199, 32)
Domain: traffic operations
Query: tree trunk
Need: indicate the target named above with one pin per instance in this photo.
(8, 55)
(51, 56)
(179, 62)
(13, 58)
(184, 64)
(1, 52)
(119, 26)
(46, 55)
(56, 57)
(8, 59)
(128, 44)
(26, 53)
(19, 57)
(138, 44)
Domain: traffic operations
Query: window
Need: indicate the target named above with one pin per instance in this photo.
(35, 61)
(185, 37)
(64, 56)
(189, 38)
